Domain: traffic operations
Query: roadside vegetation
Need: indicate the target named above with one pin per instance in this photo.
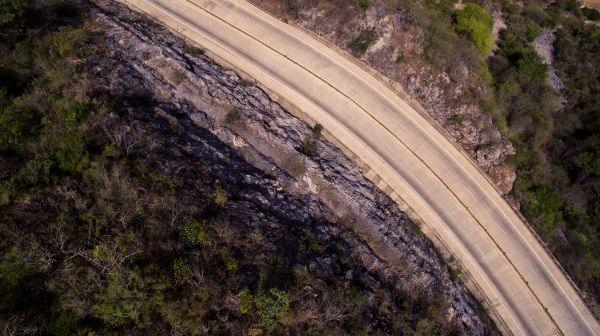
(555, 133)
(105, 228)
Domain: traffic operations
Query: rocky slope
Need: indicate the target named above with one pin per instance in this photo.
(219, 118)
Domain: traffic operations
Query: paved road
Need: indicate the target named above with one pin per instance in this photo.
(521, 284)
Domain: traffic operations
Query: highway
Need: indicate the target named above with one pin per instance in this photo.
(524, 289)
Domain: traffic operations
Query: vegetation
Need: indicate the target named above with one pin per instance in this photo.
(363, 41)
(363, 4)
(103, 234)
(477, 25)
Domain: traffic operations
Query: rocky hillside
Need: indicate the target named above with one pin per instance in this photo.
(145, 189)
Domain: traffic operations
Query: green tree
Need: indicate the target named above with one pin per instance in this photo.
(72, 156)
(477, 24)
(17, 123)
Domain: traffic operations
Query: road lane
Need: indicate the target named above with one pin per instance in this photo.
(439, 182)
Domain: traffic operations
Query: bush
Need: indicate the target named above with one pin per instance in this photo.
(68, 43)
(246, 301)
(309, 147)
(477, 24)
(317, 131)
(363, 41)
(591, 13)
(194, 234)
(590, 162)
(17, 123)
(232, 116)
(220, 196)
(192, 50)
(160, 182)
(72, 156)
(363, 4)
(74, 112)
(9, 10)
(272, 308)
(181, 270)
(38, 169)
(533, 31)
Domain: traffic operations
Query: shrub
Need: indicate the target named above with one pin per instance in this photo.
(232, 265)
(272, 308)
(309, 147)
(192, 50)
(533, 31)
(317, 131)
(591, 13)
(220, 196)
(363, 4)
(38, 169)
(72, 156)
(17, 123)
(9, 10)
(232, 116)
(477, 24)
(194, 234)
(181, 270)
(363, 41)
(74, 112)
(590, 162)
(246, 301)
(159, 181)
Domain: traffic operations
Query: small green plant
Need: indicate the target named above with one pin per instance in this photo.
(533, 31)
(232, 116)
(309, 147)
(181, 270)
(246, 301)
(272, 308)
(317, 131)
(232, 265)
(192, 50)
(194, 234)
(110, 151)
(38, 169)
(302, 275)
(220, 196)
(363, 4)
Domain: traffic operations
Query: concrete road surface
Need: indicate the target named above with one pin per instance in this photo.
(522, 286)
